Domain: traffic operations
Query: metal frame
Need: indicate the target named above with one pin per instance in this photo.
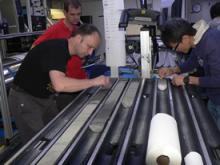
(4, 105)
(118, 131)
(4, 108)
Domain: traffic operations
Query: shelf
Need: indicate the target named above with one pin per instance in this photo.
(8, 36)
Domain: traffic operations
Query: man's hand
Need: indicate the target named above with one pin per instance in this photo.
(163, 72)
(178, 80)
(101, 81)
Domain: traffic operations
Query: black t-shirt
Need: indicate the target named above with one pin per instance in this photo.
(33, 74)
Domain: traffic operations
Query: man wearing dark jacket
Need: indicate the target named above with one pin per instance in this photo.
(179, 35)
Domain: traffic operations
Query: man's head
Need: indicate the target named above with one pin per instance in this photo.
(84, 40)
(215, 10)
(72, 11)
(178, 34)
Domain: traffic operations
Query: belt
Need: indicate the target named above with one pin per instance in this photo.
(19, 89)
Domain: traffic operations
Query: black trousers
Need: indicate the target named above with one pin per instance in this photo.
(31, 114)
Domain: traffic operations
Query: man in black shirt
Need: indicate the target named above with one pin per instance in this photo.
(42, 74)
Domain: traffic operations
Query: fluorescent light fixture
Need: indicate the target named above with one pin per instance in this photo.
(57, 13)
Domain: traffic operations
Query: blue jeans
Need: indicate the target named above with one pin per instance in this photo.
(215, 112)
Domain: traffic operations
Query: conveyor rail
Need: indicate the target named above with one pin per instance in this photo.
(111, 126)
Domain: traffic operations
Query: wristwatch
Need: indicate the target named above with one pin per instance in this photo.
(186, 80)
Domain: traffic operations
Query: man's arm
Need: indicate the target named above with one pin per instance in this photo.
(62, 83)
(179, 80)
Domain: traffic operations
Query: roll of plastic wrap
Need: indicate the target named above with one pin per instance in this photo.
(163, 142)
(193, 158)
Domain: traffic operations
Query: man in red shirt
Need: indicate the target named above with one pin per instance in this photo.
(64, 29)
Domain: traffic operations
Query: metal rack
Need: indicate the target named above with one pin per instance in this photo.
(7, 73)
(4, 105)
(13, 35)
(111, 126)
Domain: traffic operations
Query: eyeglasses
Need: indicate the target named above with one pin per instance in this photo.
(174, 49)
